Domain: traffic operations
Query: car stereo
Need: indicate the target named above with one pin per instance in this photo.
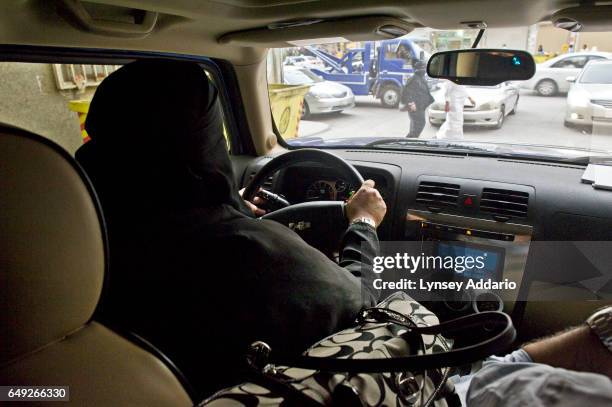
(501, 248)
(492, 259)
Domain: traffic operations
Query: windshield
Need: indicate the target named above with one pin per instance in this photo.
(601, 73)
(484, 87)
(372, 94)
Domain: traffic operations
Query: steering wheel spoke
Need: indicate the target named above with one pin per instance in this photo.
(321, 223)
(307, 214)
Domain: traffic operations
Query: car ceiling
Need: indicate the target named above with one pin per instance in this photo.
(194, 26)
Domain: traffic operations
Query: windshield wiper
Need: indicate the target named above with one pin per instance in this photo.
(590, 159)
(460, 147)
(434, 144)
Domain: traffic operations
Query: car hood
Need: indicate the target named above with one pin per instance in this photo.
(480, 95)
(593, 90)
(329, 87)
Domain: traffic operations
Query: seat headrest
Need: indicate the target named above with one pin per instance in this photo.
(52, 244)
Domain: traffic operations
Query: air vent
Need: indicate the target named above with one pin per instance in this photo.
(435, 194)
(504, 203)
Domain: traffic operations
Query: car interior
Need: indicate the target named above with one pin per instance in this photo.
(53, 244)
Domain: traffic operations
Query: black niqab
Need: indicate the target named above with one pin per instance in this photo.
(169, 121)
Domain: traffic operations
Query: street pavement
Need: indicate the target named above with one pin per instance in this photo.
(538, 120)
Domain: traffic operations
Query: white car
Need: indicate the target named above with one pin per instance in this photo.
(493, 104)
(550, 75)
(323, 96)
(589, 100)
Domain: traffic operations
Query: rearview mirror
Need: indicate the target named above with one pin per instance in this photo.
(484, 67)
(571, 79)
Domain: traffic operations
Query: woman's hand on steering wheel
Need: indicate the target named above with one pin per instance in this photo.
(366, 203)
(319, 223)
(257, 211)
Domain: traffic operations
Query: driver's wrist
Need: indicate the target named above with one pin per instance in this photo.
(363, 220)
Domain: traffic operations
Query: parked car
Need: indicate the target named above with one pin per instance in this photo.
(550, 75)
(323, 96)
(304, 61)
(589, 100)
(493, 104)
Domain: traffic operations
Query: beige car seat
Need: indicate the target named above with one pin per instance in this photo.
(52, 268)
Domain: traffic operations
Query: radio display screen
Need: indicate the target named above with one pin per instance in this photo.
(490, 260)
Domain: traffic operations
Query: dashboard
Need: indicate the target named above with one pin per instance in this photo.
(304, 184)
(336, 189)
(558, 205)
(550, 197)
(487, 202)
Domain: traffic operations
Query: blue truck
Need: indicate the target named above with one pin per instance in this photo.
(378, 68)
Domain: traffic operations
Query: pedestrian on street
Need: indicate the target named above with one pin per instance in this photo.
(455, 96)
(415, 99)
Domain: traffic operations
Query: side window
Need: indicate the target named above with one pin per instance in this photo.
(404, 53)
(391, 51)
(52, 100)
(226, 125)
(560, 64)
(596, 58)
(571, 62)
(400, 53)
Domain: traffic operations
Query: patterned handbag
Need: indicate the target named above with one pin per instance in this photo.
(395, 356)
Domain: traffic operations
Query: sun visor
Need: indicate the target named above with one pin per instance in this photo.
(584, 18)
(103, 19)
(317, 31)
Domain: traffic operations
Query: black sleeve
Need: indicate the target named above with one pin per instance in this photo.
(425, 98)
(407, 91)
(289, 294)
(358, 248)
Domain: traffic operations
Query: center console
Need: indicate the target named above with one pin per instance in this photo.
(502, 248)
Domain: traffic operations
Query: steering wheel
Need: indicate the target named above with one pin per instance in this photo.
(320, 223)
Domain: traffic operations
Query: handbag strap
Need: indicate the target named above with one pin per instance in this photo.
(496, 326)
(290, 394)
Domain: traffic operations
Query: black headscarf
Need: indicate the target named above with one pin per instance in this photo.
(165, 135)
